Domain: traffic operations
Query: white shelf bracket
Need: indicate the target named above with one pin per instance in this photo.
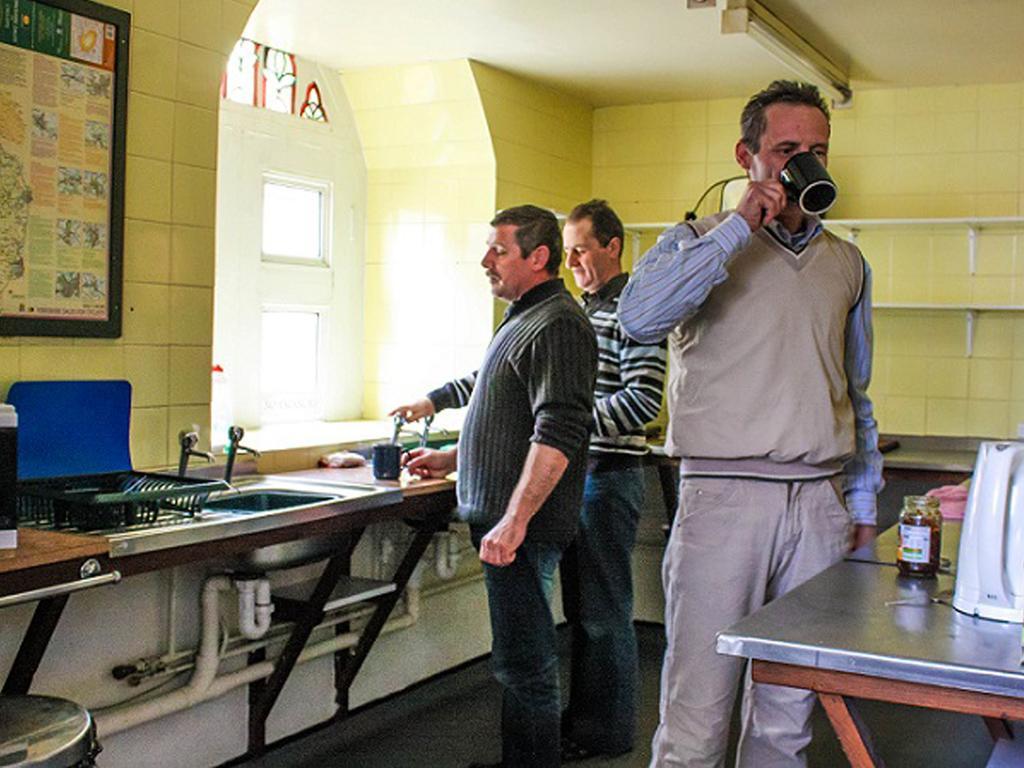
(972, 249)
(635, 237)
(852, 236)
(972, 315)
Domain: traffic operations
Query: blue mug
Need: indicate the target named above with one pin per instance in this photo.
(387, 461)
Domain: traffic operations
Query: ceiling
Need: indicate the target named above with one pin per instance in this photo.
(640, 51)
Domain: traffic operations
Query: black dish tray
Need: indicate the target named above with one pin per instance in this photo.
(111, 500)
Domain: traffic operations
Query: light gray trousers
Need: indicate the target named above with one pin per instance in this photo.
(737, 544)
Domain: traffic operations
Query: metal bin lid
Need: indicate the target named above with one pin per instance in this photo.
(43, 732)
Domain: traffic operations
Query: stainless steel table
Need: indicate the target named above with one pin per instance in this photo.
(859, 630)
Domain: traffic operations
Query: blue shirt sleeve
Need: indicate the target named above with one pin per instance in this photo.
(673, 279)
(862, 475)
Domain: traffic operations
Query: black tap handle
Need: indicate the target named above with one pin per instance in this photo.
(234, 438)
(188, 441)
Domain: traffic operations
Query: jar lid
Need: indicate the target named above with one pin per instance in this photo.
(44, 732)
(924, 503)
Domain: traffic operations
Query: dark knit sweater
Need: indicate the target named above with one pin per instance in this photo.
(535, 385)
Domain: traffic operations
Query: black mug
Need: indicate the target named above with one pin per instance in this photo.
(808, 183)
(387, 461)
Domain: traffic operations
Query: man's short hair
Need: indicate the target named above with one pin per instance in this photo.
(535, 227)
(752, 120)
(604, 222)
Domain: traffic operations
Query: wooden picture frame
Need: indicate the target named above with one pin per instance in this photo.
(64, 70)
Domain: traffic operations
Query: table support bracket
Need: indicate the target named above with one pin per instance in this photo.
(853, 736)
(33, 645)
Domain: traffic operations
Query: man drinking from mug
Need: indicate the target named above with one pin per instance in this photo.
(769, 325)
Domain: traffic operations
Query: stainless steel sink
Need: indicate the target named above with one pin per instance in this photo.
(261, 503)
(251, 502)
(288, 554)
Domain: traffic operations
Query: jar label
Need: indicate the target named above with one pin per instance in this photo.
(915, 543)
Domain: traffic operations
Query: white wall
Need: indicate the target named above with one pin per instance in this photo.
(255, 141)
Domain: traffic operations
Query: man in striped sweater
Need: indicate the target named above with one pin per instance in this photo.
(521, 460)
(597, 586)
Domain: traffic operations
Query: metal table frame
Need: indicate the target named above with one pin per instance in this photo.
(858, 631)
(264, 693)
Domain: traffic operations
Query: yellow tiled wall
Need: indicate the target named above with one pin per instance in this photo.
(542, 140)
(178, 50)
(430, 178)
(542, 145)
(907, 153)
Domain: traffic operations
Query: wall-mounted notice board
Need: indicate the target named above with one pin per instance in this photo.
(63, 107)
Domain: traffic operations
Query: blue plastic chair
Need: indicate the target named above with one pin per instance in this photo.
(72, 427)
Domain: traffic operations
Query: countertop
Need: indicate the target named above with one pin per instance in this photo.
(45, 558)
(918, 452)
(940, 454)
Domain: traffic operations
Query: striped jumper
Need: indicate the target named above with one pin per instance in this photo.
(630, 379)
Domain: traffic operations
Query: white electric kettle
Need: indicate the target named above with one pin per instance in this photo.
(990, 565)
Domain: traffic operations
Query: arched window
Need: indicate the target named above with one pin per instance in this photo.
(313, 106)
(278, 80)
(242, 74)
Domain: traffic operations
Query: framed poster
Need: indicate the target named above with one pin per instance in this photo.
(63, 107)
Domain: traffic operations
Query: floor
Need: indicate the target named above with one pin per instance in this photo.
(452, 720)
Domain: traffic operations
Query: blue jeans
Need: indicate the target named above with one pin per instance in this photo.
(597, 596)
(524, 654)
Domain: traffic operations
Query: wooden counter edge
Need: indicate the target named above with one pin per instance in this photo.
(49, 557)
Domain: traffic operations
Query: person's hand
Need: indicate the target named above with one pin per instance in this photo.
(761, 202)
(415, 410)
(861, 535)
(427, 462)
(499, 546)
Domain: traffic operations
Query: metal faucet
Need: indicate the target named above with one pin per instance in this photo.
(425, 437)
(188, 442)
(235, 434)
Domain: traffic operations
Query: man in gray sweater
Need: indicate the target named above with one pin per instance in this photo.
(521, 461)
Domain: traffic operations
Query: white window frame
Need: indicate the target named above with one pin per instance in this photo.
(316, 413)
(325, 190)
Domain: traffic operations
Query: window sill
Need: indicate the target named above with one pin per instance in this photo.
(339, 435)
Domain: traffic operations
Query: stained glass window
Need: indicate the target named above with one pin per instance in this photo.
(313, 106)
(242, 73)
(278, 80)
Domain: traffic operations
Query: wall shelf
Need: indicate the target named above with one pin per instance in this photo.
(970, 315)
(972, 226)
(953, 307)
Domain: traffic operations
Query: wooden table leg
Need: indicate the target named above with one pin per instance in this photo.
(998, 728)
(851, 736)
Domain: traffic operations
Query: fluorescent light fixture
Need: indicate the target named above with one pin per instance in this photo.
(786, 45)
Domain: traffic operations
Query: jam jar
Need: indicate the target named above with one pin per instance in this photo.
(920, 537)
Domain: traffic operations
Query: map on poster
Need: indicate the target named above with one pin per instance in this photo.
(56, 117)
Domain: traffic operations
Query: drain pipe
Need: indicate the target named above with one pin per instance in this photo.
(254, 607)
(203, 676)
(205, 684)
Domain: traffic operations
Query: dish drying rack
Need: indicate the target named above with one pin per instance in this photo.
(114, 500)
